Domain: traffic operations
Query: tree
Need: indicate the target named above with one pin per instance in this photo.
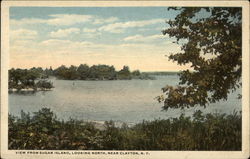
(136, 73)
(106, 72)
(124, 73)
(93, 72)
(210, 40)
(31, 76)
(44, 84)
(72, 73)
(48, 72)
(83, 71)
(60, 72)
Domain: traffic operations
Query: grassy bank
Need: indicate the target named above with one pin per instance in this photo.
(43, 131)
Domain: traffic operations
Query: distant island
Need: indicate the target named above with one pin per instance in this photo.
(28, 80)
(37, 78)
(95, 72)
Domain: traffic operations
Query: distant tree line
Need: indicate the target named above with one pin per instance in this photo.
(33, 79)
(81, 72)
(163, 73)
(95, 72)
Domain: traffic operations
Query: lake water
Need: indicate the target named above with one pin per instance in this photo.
(120, 100)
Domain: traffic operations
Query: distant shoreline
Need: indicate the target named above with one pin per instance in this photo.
(166, 73)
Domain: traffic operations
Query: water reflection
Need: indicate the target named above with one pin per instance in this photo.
(28, 93)
(25, 93)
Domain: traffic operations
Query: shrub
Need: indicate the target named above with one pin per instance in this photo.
(44, 131)
(44, 84)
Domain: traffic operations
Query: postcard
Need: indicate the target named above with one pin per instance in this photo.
(125, 79)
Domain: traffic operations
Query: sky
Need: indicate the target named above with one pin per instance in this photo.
(118, 36)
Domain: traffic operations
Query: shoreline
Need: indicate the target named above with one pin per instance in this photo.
(11, 90)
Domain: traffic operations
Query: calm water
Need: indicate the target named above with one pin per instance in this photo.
(125, 100)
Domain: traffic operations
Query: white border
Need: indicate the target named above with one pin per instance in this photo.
(5, 153)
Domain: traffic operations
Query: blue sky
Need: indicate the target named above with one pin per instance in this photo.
(52, 36)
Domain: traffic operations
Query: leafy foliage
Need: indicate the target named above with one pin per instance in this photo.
(124, 73)
(44, 84)
(211, 40)
(33, 78)
(44, 131)
(97, 72)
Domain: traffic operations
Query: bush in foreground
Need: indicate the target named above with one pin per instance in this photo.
(43, 131)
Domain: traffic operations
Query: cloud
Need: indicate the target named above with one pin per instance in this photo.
(67, 45)
(26, 21)
(68, 19)
(64, 32)
(54, 52)
(55, 42)
(91, 33)
(64, 20)
(148, 29)
(89, 30)
(120, 27)
(141, 38)
(103, 20)
(22, 34)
